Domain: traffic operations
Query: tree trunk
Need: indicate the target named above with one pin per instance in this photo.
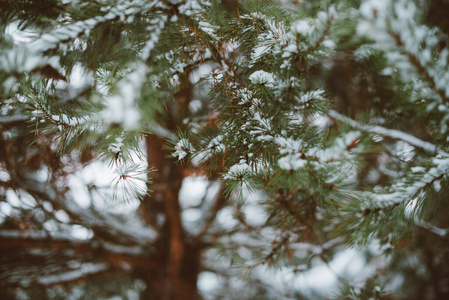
(162, 286)
(180, 259)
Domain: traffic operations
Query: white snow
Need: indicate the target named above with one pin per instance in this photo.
(311, 95)
(62, 216)
(225, 218)
(216, 144)
(84, 270)
(263, 78)
(395, 134)
(238, 171)
(374, 8)
(303, 27)
(291, 162)
(191, 215)
(183, 147)
(81, 233)
(208, 282)
(156, 31)
(12, 198)
(193, 189)
(117, 145)
(5, 210)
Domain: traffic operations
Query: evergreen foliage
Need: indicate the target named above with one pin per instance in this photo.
(316, 127)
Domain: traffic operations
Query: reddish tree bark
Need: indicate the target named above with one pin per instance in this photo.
(176, 279)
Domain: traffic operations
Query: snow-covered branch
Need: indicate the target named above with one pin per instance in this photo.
(53, 39)
(58, 240)
(411, 188)
(315, 249)
(87, 218)
(412, 49)
(13, 119)
(391, 133)
(432, 228)
(84, 271)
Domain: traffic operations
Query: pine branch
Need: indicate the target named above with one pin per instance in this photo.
(391, 133)
(419, 67)
(11, 120)
(319, 41)
(316, 249)
(86, 270)
(218, 203)
(277, 245)
(50, 118)
(383, 201)
(432, 228)
(84, 216)
(321, 180)
(52, 40)
(31, 246)
(58, 241)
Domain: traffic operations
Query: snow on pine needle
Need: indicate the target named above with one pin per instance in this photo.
(263, 78)
(238, 171)
(183, 148)
(130, 182)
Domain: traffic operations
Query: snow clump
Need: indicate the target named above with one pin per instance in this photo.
(263, 78)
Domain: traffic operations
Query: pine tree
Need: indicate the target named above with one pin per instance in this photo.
(312, 129)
